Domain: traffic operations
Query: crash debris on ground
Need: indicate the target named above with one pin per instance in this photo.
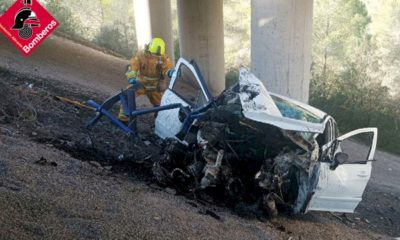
(241, 162)
(250, 149)
(256, 152)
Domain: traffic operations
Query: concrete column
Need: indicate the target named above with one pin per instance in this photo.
(153, 19)
(201, 37)
(281, 45)
(142, 22)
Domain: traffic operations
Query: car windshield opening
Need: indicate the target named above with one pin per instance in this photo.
(291, 110)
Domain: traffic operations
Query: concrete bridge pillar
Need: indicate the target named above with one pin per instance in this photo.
(281, 45)
(201, 37)
(153, 19)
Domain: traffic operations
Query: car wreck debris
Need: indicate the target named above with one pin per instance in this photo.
(255, 151)
(247, 161)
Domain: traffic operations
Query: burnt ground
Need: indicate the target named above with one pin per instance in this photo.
(117, 199)
(59, 180)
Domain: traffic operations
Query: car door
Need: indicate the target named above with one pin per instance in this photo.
(341, 189)
(186, 87)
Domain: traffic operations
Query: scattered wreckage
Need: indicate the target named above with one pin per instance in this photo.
(249, 146)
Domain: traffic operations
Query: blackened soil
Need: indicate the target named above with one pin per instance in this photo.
(30, 106)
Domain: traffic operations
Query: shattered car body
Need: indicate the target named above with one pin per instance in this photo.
(250, 149)
(259, 148)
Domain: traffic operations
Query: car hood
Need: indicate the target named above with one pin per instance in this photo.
(259, 106)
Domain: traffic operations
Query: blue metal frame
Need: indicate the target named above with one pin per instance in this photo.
(128, 102)
(191, 117)
(101, 111)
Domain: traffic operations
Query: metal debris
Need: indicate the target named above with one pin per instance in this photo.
(241, 162)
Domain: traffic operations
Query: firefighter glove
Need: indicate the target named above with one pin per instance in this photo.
(171, 72)
(132, 80)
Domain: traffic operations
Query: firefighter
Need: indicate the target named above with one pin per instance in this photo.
(150, 68)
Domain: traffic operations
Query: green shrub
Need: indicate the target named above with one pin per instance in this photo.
(5, 5)
(111, 37)
(69, 25)
(231, 77)
(355, 101)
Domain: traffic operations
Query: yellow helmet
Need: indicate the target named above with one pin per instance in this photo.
(157, 46)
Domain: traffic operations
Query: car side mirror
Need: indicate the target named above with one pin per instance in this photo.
(340, 158)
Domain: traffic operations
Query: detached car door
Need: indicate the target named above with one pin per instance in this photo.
(340, 189)
(186, 87)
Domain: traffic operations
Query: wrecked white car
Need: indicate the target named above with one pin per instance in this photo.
(291, 150)
(249, 147)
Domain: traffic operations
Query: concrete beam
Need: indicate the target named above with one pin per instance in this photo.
(201, 37)
(281, 45)
(153, 19)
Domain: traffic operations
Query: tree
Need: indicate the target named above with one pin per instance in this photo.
(237, 20)
(351, 55)
(340, 40)
(69, 23)
(385, 28)
(340, 34)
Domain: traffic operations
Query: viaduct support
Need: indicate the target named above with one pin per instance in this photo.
(201, 30)
(281, 45)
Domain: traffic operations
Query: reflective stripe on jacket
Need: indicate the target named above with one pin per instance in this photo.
(150, 67)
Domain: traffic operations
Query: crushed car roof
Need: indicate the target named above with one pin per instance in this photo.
(261, 106)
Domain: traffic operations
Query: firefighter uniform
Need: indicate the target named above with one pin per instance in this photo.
(151, 68)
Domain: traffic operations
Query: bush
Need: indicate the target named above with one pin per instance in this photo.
(111, 37)
(231, 77)
(69, 25)
(357, 102)
(5, 5)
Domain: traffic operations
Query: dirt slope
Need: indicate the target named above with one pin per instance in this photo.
(26, 186)
(46, 193)
(75, 200)
(67, 61)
